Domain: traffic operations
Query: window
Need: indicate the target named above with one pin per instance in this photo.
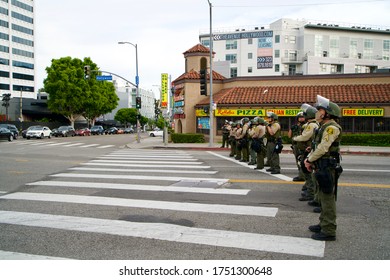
(231, 57)
(334, 47)
(4, 36)
(233, 72)
(250, 70)
(362, 69)
(353, 48)
(23, 53)
(323, 68)
(368, 50)
(286, 39)
(22, 41)
(22, 76)
(277, 67)
(277, 53)
(22, 29)
(22, 17)
(277, 38)
(293, 39)
(206, 42)
(22, 64)
(22, 5)
(318, 45)
(4, 49)
(386, 50)
(250, 41)
(231, 44)
(250, 55)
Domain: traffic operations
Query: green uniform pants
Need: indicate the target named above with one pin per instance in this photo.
(274, 161)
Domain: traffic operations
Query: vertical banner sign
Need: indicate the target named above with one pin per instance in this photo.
(164, 90)
(264, 51)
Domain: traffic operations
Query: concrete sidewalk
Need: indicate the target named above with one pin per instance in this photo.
(158, 143)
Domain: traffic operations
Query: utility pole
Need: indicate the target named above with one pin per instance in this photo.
(211, 111)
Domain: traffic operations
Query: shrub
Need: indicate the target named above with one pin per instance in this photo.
(187, 138)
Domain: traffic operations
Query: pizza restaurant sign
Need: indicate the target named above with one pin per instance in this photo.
(255, 112)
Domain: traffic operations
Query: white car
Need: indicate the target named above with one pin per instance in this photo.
(38, 132)
(155, 133)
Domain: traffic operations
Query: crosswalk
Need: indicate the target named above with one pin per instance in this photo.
(163, 182)
(52, 144)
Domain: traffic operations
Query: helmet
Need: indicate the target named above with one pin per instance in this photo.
(245, 120)
(261, 121)
(300, 115)
(331, 108)
(272, 115)
(255, 121)
(309, 111)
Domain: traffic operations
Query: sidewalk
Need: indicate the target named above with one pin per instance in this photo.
(157, 143)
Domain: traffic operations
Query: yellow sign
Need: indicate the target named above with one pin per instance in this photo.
(164, 90)
(255, 112)
(201, 113)
(363, 112)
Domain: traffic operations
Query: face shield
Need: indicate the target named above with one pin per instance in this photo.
(304, 107)
(322, 102)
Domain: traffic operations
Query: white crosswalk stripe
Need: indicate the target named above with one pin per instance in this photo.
(49, 144)
(88, 186)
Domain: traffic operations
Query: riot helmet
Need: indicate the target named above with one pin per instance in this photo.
(272, 115)
(309, 111)
(331, 108)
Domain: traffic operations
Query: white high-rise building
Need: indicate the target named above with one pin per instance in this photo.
(17, 54)
(295, 47)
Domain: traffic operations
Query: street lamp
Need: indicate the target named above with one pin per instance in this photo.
(136, 86)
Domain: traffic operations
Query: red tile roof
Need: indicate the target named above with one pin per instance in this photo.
(199, 48)
(194, 75)
(289, 95)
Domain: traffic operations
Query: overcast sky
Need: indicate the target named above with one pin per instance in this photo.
(163, 30)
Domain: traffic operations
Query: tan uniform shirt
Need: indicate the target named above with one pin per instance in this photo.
(259, 131)
(307, 132)
(328, 137)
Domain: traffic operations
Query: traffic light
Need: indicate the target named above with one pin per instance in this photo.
(87, 72)
(6, 99)
(203, 81)
(138, 102)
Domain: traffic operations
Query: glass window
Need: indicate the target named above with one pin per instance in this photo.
(353, 48)
(250, 41)
(233, 72)
(277, 53)
(277, 38)
(231, 57)
(293, 39)
(206, 42)
(250, 55)
(277, 67)
(231, 44)
(368, 50)
(334, 47)
(250, 70)
(386, 50)
(318, 45)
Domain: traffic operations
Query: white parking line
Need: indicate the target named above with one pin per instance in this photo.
(169, 232)
(152, 188)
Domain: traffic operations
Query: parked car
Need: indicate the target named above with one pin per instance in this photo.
(155, 133)
(97, 130)
(38, 132)
(128, 130)
(5, 133)
(64, 131)
(112, 130)
(24, 132)
(12, 127)
(83, 132)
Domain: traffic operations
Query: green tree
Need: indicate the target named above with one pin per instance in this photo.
(126, 115)
(71, 95)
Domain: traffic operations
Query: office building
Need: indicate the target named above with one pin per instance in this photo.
(294, 47)
(17, 54)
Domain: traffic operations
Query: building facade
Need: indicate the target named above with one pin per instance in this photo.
(364, 98)
(17, 48)
(292, 47)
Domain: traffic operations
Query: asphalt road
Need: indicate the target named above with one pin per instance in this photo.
(94, 198)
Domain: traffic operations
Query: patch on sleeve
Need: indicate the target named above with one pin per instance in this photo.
(330, 130)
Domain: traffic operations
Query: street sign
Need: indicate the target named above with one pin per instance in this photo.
(103, 78)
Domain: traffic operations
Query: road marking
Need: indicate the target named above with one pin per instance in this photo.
(145, 170)
(300, 183)
(146, 204)
(141, 161)
(169, 232)
(138, 177)
(280, 176)
(159, 158)
(90, 145)
(147, 165)
(106, 146)
(5, 255)
(41, 143)
(139, 187)
(58, 144)
(75, 144)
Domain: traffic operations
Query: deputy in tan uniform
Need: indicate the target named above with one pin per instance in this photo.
(273, 140)
(258, 140)
(232, 139)
(324, 161)
(303, 144)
